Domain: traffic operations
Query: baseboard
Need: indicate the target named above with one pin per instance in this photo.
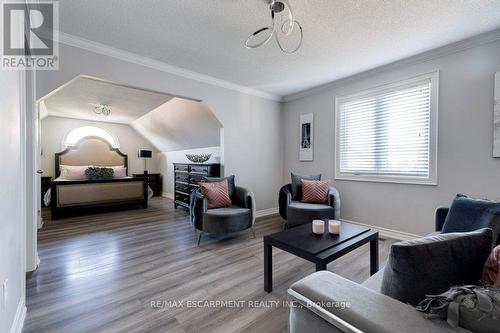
(18, 323)
(267, 212)
(167, 195)
(388, 233)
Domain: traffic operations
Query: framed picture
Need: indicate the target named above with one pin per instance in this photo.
(496, 118)
(306, 137)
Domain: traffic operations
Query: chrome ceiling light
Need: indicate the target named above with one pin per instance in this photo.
(103, 109)
(283, 25)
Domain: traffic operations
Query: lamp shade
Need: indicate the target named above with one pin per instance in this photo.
(144, 153)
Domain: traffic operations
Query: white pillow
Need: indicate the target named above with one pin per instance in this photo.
(73, 172)
(119, 171)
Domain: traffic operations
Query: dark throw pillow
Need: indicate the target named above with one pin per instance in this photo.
(230, 183)
(95, 173)
(297, 184)
(432, 264)
(468, 214)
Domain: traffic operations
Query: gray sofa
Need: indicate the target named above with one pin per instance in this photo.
(320, 298)
(219, 221)
(297, 212)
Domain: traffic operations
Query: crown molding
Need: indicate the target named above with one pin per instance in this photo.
(109, 51)
(475, 41)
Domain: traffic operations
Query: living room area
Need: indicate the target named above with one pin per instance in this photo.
(349, 182)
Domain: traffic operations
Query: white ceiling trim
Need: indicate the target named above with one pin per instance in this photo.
(486, 38)
(109, 51)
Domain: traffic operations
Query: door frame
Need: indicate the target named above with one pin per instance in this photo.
(32, 184)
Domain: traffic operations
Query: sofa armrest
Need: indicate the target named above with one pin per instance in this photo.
(440, 217)
(334, 201)
(351, 307)
(245, 198)
(285, 198)
(198, 206)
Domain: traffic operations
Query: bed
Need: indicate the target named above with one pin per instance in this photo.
(74, 197)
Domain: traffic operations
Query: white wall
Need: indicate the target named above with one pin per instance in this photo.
(465, 162)
(54, 129)
(252, 125)
(12, 230)
(169, 158)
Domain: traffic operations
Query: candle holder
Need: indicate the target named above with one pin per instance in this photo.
(318, 227)
(334, 227)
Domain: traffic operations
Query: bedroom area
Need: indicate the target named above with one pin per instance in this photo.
(107, 147)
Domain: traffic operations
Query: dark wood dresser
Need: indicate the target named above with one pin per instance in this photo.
(187, 177)
(154, 182)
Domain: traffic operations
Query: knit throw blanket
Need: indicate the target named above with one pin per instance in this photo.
(471, 307)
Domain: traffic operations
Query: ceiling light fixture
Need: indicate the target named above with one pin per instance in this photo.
(103, 109)
(283, 25)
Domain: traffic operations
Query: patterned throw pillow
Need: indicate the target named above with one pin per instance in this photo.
(216, 193)
(315, 191)
(491, 270)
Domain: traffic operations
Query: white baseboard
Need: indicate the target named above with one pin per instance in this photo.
(267, 212)
(167, 195)
(385, 232)
(18, 323)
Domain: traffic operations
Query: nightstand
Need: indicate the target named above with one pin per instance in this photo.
(154, 182)
(45, 186)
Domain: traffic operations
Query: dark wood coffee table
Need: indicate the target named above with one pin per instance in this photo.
(319, 249)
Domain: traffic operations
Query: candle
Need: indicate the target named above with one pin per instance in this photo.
(318, 227)
(334, 227)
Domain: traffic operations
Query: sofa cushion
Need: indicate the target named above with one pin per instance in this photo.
(315, 191)
(374, 282)
(226, 220)
(297, 184)
(216, 193)
(491, 270)
(432, 264)
(468, 214)
(301, 212)
(230, 183)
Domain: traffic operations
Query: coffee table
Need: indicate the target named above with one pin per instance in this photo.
(319, 249)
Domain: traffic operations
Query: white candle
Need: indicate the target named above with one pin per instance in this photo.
(318, 227)
(334, 227)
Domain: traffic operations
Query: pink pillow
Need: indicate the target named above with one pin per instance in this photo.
(315, 191)
(491, 270)
(216, 193)
(73, 172)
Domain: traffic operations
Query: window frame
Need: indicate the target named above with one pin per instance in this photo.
(65, 144)
(432, 179)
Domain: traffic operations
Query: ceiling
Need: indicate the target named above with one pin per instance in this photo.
(169, 123)
(180, 124)
(78, 98)
(341, 37)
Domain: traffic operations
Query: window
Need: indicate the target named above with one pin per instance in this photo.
(79, 133)
(389, 134)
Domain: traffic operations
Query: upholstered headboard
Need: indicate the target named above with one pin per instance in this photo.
(90, 151)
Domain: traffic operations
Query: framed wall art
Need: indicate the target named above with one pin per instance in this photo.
(306, 137)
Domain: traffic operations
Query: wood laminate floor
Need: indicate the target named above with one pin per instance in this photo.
(102, 273)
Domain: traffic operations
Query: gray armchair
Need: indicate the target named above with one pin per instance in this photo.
(297, 212)
(219, 221)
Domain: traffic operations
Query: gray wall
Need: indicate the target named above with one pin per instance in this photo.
(12, 195)
(465, 162)
(252, 146)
